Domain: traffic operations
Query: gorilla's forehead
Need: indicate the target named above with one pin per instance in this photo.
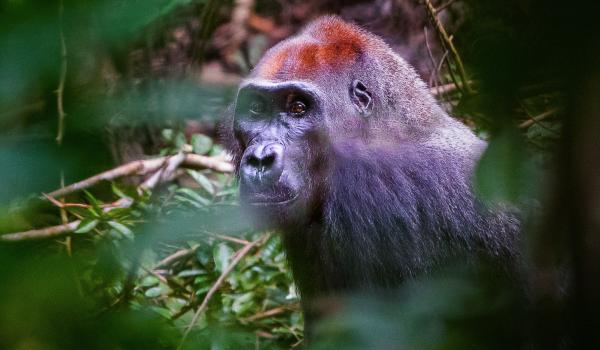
(327, 46)
(262, 84)
(307, 60)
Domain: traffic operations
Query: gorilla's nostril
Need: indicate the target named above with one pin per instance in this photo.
(268, 160)
(253, 161)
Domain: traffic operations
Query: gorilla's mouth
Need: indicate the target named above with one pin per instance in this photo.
(268, 201)
(280, 195)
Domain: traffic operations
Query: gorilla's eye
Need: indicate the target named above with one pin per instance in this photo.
(256, 107)
(297, 108)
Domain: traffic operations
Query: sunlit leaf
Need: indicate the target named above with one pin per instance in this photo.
(221, 255)
(122, 229)
(87, 225)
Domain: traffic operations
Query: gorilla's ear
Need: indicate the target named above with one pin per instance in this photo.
(361, 97)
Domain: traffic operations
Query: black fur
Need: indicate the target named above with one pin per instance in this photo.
(391, 213)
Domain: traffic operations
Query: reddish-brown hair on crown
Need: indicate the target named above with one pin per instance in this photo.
(326, 44)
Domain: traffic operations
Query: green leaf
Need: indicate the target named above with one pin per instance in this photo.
(93, 201)
(201, 144)
(216, 150)
(190, 273)
(87, 225)
(118, 191)
(194, 196)
(203, 255)
(122, 229)
(167, 134)
(242, 303)
(149, 281)
(179, 140)
(202, 181)
(153, 292)
(221, 255)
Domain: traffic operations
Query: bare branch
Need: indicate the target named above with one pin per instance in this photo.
(178, 255)
(46, 232)
(271, 312)
(165, 172)
(447, 41)
(63, 77)
(537, 118)
(142, 167)
(444, 6)
(217, 164)
(139, 167)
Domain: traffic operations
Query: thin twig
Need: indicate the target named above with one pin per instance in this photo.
(444, 6)
(178, 255)
(238, 257)
(46, 232)
(538, 118)
(270, 312)
(445, 38)
(433, 78)
(63, 76)
(230, 239)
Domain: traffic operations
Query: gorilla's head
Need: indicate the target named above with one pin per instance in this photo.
(310, 96)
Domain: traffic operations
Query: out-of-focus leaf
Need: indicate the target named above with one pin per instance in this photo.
(116, 190)
(242, 303)
(179, 140)
(193, 195)
(87, 225)
(221, 255)
(201, 144)
(153, 292)
(122, 229)
(202, 180)
(149, 281)
(190, 273)
(167, 134)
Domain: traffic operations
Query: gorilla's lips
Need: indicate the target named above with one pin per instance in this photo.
(278, 194)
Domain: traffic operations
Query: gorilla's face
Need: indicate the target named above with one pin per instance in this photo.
(273, 123)
(282, 130)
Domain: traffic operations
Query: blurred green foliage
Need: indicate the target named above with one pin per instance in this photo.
(107, 286)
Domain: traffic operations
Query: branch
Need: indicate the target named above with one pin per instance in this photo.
(537, 118)
(444, 6)
(180, 254)
(271, 312)
(197, 161)
(63, 76)
(139, 167)
(46, 232)
(165, 172)
(142, 167)
(238, 257)
(447, 41)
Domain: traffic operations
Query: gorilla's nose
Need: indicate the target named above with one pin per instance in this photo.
(262, 163)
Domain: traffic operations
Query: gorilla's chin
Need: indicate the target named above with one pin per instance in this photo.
(278, 195)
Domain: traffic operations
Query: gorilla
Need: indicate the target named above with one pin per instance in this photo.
(340, 145)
